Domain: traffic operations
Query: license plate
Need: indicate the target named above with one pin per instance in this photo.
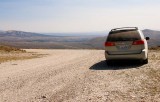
(124, 47)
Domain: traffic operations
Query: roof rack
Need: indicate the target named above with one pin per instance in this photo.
(136, 28)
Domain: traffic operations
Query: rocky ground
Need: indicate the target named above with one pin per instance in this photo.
(79, 76)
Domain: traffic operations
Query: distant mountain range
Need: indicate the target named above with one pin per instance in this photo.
(96, 34)
(94, 40)
(14, 33)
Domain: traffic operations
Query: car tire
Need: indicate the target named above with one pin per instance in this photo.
(109, 63)
(145, 61)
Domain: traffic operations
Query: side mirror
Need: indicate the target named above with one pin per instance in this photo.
(147, 38)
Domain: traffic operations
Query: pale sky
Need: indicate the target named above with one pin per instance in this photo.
(78, 15)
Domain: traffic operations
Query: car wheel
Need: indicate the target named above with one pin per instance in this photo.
(145, 61)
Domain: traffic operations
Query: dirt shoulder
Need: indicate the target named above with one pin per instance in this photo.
(79, 76)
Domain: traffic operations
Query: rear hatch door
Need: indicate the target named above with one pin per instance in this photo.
(124, 42)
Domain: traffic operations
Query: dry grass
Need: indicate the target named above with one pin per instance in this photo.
(10, 49)
(155, 48)
(8, 53)
(17, 56)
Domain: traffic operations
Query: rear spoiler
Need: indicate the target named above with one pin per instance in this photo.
(125, 28)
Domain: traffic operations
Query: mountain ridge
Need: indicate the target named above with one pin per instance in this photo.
(22, 39)
(15, 33)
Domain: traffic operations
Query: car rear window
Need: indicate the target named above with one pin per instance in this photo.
(124, 35)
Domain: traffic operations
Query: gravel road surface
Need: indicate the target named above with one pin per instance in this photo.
(76, 76)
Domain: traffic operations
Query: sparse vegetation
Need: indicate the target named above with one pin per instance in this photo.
(8, 53)
(155, 48)
(10, 49)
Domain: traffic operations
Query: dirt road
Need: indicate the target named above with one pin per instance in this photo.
(77, 76)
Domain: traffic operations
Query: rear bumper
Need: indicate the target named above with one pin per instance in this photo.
(141, 56)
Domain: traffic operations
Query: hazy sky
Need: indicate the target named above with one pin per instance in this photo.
(78, 15)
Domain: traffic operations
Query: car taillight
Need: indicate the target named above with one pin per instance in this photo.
(138, 42)
(109, 44)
